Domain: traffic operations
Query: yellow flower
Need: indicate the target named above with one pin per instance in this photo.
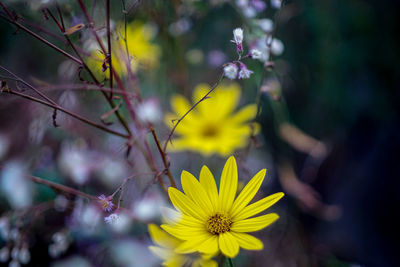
(142, 53)
(213, 126)
(211, 222)
(166, 250)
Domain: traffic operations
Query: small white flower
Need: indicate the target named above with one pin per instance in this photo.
(249, 12)
(242, 3)
(255, 53)
(122, 224)
(238, 39)
(4, 254)
(15, 186)
(76, 162)
(112, 218)
(14, 263)
(277, 47)
(24, 256)
(149, 111)
(60, 203)
(266, 25)
(14, 253)
(244, 72)
(238, 35)
(15, 234)
(179, 27)
(231, 71)
(149, 207)
(4, 228)
(59, 237)
(276, 3)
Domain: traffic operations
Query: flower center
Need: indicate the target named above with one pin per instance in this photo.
(219, 224)
(209, 131)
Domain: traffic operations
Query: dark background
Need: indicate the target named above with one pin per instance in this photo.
(343, 87)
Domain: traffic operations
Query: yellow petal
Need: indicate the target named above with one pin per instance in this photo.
(185, 127)
(207, 263)
(162, 253)
(246, 113)
(185, 204)
(228, 245)
(180, 105)
(161, 238)
(170, 216)
(199, 91)
(191, 222)
(222, 101)
(228, 185)
(254, 224)
(208, 182)
(248, 242)
(258, 206)
(179, 145)
(248, 192)
(210, 246)
(175, 260)
(196, 192)
(184, 232)
(193, 245)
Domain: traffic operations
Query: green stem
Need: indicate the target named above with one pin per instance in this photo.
(230, 262)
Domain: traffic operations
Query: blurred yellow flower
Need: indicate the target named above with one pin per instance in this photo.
(142, 52)
(166, 251)
(213, 126)
(210, 222)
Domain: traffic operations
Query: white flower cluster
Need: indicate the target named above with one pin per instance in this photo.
(13, 251)
(60, 244)
(237, 69)
(251, 8)
(112, 218)
(261, 42)
(267, 46)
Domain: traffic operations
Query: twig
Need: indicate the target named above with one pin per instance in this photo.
(57, 107)
(125, 38)
(30, 86)
(109, 100)
(121, 86)
(109, 57)
(12, 20)
(60, 187)
(163, 156)
(187, 112)
(83, 87)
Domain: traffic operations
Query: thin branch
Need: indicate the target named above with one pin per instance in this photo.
(121, 86)
(29, 85)
(125, 38)
(187, 112)
(125, 181)
(109, 57)
(13, 21)
(60, 187)
(163, 157)
(109, 100)
(84, 87)
(72, 114)
(91, 26)
(133, 115)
